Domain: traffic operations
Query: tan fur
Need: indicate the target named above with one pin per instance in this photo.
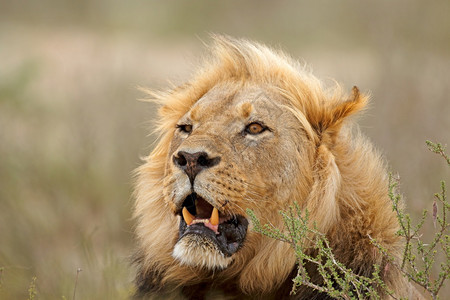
(311, 156)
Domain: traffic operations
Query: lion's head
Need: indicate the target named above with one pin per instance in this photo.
(253, 130)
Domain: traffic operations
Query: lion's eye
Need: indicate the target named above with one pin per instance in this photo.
(186, 128)
(255, 128)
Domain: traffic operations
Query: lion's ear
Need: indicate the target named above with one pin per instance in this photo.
(329, 119)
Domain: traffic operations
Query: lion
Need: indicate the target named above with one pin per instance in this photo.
(256, 130)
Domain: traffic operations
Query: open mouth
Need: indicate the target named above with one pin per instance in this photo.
(199, 217)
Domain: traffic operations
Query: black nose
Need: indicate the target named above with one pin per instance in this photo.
(194, 163)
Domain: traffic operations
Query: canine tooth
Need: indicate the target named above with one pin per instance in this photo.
(188, 218)
(215, 217)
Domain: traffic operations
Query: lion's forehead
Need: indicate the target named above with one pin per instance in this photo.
(227, 102)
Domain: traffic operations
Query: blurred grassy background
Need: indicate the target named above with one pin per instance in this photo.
(72, 131)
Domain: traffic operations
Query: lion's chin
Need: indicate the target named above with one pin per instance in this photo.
(198, 251)
(208, 238)
(199, 246)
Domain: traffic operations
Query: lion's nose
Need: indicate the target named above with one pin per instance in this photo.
(194, 163)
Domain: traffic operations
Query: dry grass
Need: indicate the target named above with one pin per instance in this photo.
(71, 130)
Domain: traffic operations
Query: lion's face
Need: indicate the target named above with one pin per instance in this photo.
(236, 148)
(250, 131)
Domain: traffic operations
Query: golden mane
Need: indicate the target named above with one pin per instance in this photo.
(347, 180)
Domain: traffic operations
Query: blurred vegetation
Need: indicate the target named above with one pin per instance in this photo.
(71, 130)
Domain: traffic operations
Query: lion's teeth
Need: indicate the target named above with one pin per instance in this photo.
(188, 218)
(215, 217)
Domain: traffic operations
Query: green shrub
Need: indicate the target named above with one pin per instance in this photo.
(418, 260)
